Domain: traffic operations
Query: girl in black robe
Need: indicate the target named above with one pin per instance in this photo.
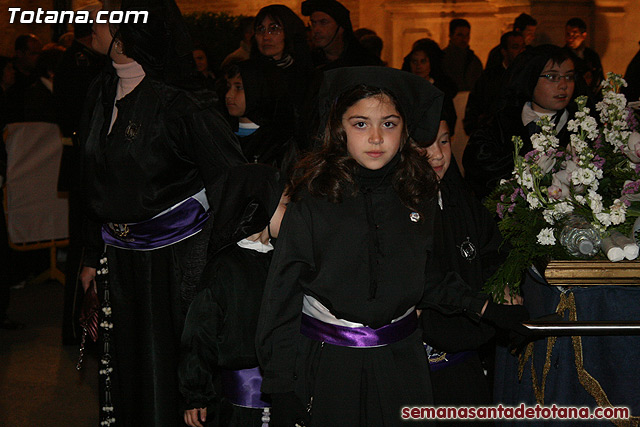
(337, 336)
(153, 149)
(218, 342)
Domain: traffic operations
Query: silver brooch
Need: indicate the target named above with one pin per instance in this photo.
(415, 216)
(131, 131)
(467, 250)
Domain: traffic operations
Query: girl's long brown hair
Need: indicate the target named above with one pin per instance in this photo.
(328, 171)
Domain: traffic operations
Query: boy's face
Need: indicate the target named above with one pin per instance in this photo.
(574, 37)
(439, 153)
(234, 99)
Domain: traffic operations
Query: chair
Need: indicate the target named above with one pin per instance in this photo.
(37, 216)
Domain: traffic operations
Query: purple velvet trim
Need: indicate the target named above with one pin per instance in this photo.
(242, 387)
(358, 337)
(450, 360)
(167, 229)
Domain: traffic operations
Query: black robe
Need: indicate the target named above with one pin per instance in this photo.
(220, 329)
(467, 241)
(166, 144)
(366, 261)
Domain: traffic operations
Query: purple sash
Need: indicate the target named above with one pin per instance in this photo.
(449, 359)
(171, 227)
(358, 337)
(242, 387)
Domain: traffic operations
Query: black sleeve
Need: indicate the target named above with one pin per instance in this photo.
(448, 293)
(198, 350)
(279, 322)
(207, 139)
(92, 243)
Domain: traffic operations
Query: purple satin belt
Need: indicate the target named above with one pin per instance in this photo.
(169, 228)
(242, 387)
(450, 359)
(318, 330)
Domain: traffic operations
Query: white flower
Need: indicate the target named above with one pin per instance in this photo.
(539, 142)
(590, 126)
(526, 180)
(546, 237)
(533, 201)
(573, 125)
(618, 212)
(546, 162)
(563, 208)
(604, 218)
(577, 144)
(547, 214)
(595, 202)
(583, 176)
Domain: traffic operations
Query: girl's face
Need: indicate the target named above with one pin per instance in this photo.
(439, 153)
(374, 131)
(420, 64)
(234, 99)
(550, 96)
(270, 38)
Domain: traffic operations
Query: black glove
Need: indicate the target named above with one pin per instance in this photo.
(288, 411)
(509, 317)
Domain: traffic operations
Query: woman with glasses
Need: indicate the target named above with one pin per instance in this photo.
(280, 43)
(541, 82)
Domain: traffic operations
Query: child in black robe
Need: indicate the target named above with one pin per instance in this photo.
(337, 335)
(258, 100)
(218, 340)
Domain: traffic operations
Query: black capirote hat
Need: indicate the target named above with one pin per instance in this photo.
(420, 101)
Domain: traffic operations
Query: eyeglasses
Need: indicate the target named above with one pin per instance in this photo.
(272, 29)
(555, 77)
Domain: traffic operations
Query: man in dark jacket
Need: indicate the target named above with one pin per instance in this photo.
(459, 62)
(484, 99)
(525, 24)
(334, 44)
(588, 64)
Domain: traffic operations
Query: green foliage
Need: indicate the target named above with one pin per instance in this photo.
(215, 33)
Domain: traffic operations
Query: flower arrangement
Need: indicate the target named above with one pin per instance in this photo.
(596, 177)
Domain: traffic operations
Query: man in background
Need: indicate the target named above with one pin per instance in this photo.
(334, 44)
(459, 62)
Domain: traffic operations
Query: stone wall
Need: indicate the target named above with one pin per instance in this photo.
(612, 23)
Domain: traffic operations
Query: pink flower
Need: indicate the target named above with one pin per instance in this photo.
(632, 150)
(555, 192)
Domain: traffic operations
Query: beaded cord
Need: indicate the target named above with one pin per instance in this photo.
(102, 279)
